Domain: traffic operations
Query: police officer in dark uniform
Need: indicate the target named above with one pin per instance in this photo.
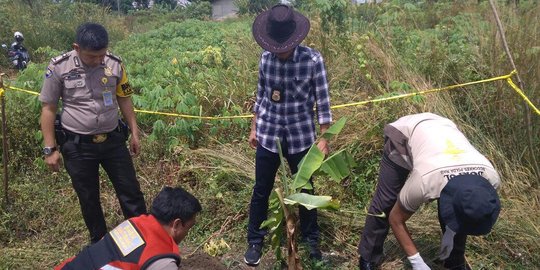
(93, 85)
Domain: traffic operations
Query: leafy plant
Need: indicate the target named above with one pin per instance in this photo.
(289, 194)
(253, 6)
(333, 13)
(216, 247)
(200, 10)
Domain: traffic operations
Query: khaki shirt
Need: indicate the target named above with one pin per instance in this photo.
(89, 94)
(435, 151)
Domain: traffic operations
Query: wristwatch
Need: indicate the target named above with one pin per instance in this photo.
(47, 151)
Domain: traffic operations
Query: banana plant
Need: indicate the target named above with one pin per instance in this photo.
(288, 193)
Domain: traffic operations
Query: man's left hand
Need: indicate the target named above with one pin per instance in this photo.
(135, 145)
(323, 146)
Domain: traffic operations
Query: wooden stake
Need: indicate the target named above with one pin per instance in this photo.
(4, 141)
(521, 85)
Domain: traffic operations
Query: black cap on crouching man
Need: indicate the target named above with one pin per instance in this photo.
(468, 204)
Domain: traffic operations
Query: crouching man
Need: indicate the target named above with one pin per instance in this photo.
(427, 158)
(144, 242)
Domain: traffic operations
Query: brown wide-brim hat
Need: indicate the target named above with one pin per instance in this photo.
(280, 29)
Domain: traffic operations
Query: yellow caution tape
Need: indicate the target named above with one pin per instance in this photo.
(516, 88)
(196, 116)
(504, 77)
(424, 92)
(23, 90)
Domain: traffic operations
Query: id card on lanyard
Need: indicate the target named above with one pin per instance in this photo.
(107, 98)
(107, 94)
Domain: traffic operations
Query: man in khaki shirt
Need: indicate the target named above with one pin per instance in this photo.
(93, 85)
(427, 158)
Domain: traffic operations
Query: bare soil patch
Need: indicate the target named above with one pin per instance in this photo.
(202, 261)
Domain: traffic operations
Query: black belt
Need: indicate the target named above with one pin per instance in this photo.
(83, 138)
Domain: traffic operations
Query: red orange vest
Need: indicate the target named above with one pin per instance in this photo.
(134, 244)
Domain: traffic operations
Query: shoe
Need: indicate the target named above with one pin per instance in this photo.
(365, 265)
(456, 264)
(461, 267)
(314, 253)
(252, 257)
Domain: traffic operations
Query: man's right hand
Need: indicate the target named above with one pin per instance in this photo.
(53, 161)
(253, 139)
(417, 262)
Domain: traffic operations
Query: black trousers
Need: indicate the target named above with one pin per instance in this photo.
(392, 177)
(266, 166)
(82, 160)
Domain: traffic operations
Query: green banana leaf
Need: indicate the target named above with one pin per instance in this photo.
(338, 165)
(309, 164)
(313, 159)
(275, 242)
(312, 201)
(274, 221)
(276, 213)
(334, 129)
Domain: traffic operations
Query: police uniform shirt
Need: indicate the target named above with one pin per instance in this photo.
(437, 151)
(89, 94)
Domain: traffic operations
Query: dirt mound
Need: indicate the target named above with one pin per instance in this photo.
(202, 261)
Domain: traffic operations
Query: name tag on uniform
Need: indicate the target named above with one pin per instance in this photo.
(126, 238)
(107, 98)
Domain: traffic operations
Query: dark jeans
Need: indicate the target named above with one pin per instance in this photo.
(392, 177)
(266, 166)
(82, 162)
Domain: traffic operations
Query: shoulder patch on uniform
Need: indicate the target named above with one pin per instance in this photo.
(127, 90)
(49, 72)
(115, 57)
(58, 59)
(126, 238)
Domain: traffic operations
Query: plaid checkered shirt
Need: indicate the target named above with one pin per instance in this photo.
(286, 94)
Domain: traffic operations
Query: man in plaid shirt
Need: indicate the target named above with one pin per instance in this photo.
(292, 79)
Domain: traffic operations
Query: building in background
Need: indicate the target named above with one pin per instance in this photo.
(222, 9)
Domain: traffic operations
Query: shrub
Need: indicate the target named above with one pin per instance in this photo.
(254, 6)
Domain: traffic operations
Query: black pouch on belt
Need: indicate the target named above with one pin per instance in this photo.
(123, 128)
(59, 133)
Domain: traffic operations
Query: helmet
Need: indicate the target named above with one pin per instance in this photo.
(18, 36)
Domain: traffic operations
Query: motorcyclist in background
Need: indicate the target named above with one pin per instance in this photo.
(17, 45)
(18, 53)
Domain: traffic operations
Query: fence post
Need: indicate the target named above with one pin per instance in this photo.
(4, 141)
(528, 121)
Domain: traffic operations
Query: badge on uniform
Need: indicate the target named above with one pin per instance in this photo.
(48, 73)
(76, 61)
(108, 71)
(277, 93)
(104, 80)
(126, 237)
(107, 98)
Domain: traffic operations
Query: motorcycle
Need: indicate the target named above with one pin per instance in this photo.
(19, 57)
